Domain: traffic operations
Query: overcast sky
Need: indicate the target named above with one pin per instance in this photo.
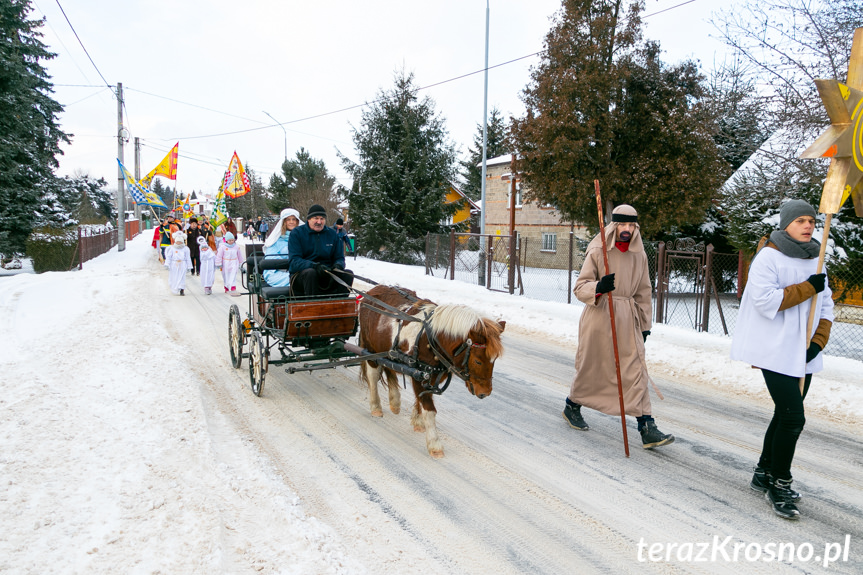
(196, 68)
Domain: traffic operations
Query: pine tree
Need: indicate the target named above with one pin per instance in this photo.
(602, 105)
(815, 43)
(404, 168)
(304, 181)
(29, 131)
(497, 144)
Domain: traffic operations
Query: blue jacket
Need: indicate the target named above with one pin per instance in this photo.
(308, 248)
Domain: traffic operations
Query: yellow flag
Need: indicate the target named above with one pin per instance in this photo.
(167, 167)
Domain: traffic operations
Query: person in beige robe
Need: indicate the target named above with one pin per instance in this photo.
(595, 381)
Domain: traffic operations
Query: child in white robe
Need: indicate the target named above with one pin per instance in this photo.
(178, 261)
(228, 257)
(208, 265)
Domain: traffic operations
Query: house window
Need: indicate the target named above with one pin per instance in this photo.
(549, 242)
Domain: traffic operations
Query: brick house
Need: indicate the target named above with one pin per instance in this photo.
(541, 230)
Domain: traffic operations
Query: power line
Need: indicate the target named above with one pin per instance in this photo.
(82, 44)
(381, 99)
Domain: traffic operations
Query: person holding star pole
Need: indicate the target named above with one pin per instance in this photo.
(788, 288)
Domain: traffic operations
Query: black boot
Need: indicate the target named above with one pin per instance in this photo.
(651, 436)
(762, 480)
(572, 415)
(779, 496)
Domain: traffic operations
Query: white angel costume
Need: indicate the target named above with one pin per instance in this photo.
(178, 261)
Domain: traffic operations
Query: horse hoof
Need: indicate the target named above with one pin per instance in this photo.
(377, 413)
(437, 453)
(396, 409)
(419, 428)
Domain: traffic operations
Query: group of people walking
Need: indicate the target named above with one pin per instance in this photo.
(771, 335)
(187, 248)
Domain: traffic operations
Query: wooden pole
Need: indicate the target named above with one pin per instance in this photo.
(611, 313)
(807, 335)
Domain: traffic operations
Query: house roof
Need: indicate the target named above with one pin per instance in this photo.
(500, 160)
(473, 204)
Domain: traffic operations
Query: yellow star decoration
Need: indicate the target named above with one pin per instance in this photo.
(842, 142)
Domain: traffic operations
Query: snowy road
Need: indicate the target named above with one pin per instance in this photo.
(130, 445)
(519, 491)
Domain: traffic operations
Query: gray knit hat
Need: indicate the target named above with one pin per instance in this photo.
(793, 209)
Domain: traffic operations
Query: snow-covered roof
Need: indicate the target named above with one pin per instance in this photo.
(500, 160)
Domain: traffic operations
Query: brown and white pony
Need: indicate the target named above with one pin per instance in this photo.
(452, 339)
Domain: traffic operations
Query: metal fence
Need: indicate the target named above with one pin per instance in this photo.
(693, 287)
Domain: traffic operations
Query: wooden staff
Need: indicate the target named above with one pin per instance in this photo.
(613, 327)
(808, 333)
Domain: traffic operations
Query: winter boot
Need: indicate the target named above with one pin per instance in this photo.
(762, 480)
(779, 496)
(572, 415)
(182, 292)
(233, 288)
(651, 436)
(226, 289)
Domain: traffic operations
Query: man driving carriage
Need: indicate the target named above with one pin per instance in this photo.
(317, 254)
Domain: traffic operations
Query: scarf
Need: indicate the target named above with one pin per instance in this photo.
(794, 249)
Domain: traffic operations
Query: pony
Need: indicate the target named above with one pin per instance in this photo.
(440, 340)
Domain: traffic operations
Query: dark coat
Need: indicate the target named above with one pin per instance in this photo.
(192, 236)
(308, 248)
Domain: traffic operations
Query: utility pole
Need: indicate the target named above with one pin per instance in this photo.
(513, 178)
(138, 174)
(482, 216)
(121, 184)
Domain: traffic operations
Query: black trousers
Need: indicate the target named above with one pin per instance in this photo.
(780, 440)
(309, 282)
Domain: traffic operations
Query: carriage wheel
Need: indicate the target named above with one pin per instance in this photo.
(235, 336)
(257, 363)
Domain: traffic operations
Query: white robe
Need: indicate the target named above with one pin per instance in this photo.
(767, 338)
(229, 258)
(178, 261)
(208, 267)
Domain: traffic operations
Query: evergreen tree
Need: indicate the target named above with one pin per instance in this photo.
(602, 105)
(497, 144)
(404, 168)
(29, 131)
(73, 200)
(815, 43)
(304, 181)
(252, 204)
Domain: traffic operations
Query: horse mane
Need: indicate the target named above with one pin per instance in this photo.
(459, 320)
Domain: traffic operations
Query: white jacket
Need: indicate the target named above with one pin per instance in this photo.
(771, 339)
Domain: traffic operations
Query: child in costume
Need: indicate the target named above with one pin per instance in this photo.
(178, 262)
(208, 265)
(228, 258)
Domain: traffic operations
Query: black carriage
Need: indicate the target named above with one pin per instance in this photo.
(284, 329)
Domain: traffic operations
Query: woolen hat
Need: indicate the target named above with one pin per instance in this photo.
(229, 236)
(340, 222)
(315, 211)
(793, 209)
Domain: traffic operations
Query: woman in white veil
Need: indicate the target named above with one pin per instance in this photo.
(276, 246)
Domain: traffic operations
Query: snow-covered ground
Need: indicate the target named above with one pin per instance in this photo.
(109, 463)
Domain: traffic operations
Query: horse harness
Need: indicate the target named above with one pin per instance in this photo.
(431, 384)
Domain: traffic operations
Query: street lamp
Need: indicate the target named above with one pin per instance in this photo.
(283, 129)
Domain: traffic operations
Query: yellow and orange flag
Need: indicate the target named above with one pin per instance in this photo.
(236, 182)
(167, 167)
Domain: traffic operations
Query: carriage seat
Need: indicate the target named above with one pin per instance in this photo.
(273, 263)
(269, 292)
